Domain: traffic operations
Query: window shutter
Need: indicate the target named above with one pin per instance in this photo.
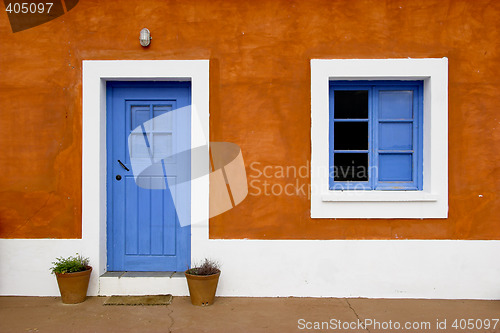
(397, 140)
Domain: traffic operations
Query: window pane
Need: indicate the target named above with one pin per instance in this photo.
(350, 167)
(395, 136)
(352, 104)
(350, 135)
(158, 110)
(162, 146)
(395, 167)
(162, 123)
(396, 104)
(138, 145)
(140, 114)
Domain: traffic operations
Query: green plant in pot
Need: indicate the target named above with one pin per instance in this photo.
(202, 282)
(73, 275)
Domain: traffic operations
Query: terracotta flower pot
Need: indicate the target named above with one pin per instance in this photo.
(73, 286)
(202, 288)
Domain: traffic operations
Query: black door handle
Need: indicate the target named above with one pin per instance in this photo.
(123, 165)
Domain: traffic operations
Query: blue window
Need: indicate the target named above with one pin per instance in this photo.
(376, 135)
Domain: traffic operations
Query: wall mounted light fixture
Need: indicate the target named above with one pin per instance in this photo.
(145, 37)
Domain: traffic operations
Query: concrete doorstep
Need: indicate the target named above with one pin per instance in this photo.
(231, 314)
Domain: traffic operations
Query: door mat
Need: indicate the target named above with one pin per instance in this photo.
(139, 300)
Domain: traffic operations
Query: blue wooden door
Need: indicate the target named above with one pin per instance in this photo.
(149, 123)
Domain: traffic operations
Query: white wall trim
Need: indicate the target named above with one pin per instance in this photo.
(432, 201)
(446, 269)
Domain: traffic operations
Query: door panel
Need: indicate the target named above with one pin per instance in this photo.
(143, 127)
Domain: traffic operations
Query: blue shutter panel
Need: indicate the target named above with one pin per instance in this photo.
(396, 134)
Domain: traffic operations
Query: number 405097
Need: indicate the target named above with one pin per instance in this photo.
(29, 8)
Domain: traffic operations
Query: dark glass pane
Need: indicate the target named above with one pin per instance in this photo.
(350, 135)
(350, 167)
(352, 104)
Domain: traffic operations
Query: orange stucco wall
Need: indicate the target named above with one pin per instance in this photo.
(259, 55)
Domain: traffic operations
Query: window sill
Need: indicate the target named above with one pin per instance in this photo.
(379, 196)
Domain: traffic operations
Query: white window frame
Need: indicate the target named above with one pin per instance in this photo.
(432, 201)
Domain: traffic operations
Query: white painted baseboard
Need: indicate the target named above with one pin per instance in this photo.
(445, 269)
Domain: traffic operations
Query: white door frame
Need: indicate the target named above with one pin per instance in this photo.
(95, 75)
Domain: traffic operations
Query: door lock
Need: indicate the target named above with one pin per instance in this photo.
(118, 177)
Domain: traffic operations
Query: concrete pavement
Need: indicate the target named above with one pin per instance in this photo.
(229, 314)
